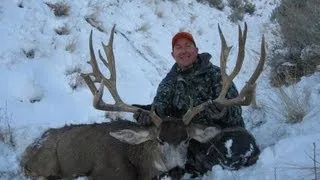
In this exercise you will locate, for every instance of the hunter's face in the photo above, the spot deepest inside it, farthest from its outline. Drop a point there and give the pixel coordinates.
(185, 53)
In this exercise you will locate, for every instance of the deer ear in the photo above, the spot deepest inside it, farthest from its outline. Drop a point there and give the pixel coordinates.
(130, 136)
(203, 134)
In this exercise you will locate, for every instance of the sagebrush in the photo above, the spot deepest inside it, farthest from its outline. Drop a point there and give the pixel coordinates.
(300, 33)
(59, 8)
(295, 105)
(299, 22)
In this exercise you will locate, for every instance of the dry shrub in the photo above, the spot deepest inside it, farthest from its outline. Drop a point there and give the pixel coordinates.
(289, 70)
(6, 132)
(239, 9)
(295, 106)
(234, 4)
(286, 74)
(71, 46)
(94, 22)
(309, 170)
(300, 34)
(218, 4)
(74, 76)
(29, 53)
(59, 8)
(63, 30)
(249, 8)
(237, 15)
(298, 21)
(144, 27)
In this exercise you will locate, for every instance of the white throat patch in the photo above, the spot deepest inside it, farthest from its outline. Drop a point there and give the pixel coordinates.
(174, 156)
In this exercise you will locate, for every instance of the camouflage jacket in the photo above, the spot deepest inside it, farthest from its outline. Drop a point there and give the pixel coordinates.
(201, 83)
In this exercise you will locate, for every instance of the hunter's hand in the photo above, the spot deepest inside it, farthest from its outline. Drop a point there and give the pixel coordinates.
(216, 111)
(142, 118)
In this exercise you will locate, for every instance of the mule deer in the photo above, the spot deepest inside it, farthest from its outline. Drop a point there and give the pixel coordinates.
(122, 149)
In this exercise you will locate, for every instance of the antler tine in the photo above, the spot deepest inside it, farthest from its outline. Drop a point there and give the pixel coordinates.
(98, 103)
(96, 73)
(241, 52)
(227, 80)
(110, 82)
(225, 50)
(95, 69)
(246, 94)
(155, 118)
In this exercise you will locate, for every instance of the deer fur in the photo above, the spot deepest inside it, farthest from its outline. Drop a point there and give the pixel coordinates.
(114, 150)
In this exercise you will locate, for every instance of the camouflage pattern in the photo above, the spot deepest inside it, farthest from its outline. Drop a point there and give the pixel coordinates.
(201, 82)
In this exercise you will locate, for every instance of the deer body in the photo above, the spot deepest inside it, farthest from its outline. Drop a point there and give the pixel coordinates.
(114, 150)
(90, 150)
(95, 153)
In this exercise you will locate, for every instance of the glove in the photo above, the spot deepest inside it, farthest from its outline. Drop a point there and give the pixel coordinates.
(141, 116)
(216, 111)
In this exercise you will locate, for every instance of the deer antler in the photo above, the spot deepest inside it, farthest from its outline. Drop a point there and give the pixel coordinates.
(246, 94)
(110, 82)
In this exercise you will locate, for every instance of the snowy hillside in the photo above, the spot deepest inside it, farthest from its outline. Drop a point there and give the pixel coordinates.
(42, 55)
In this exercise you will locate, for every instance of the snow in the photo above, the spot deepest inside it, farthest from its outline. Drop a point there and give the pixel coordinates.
(36, 92)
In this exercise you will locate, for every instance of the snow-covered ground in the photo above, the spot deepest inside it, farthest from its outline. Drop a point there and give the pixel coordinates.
(142, 48)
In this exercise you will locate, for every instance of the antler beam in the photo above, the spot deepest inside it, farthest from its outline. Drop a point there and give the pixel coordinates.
(110, 82)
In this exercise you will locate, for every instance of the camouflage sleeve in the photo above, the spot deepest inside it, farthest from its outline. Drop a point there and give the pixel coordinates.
(161, 101)
(233, 116)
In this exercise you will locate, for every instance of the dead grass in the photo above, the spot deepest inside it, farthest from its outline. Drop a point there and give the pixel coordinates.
(63, 30)
(94, 22)
(59, 8)
(71, 46)
(295, 105)
(289, 103)
(6, 132)
(74, 76)
(144, 27)
(309, 171)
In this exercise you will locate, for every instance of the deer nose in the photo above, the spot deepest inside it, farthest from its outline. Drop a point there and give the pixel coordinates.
(176, 173)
